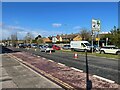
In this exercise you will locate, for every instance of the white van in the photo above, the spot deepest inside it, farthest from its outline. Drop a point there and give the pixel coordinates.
(80, 46)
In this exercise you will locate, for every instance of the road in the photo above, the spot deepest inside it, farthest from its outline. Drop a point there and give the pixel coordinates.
(107, 68)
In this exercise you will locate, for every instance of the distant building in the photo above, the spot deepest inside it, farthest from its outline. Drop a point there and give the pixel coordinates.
(66, 38)
(47, 40)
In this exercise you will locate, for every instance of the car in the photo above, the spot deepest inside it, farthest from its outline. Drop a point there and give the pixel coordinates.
(40, 46)
(96, 48)
(66, 47)
(34, 45)
(28, 45)
(110, 49)
(21, 45)
(55, 47)
(47, 48)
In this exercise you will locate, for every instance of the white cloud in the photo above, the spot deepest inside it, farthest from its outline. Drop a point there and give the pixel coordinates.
(56, 24)
(8, 30)
(5, 34)
(77, 28)
(1, 24)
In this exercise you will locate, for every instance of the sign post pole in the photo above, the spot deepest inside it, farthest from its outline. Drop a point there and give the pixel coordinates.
(98, 39)
(95, 27)
(92, 41)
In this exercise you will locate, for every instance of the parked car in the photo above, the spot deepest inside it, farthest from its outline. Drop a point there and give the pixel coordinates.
(81, 46)
(34, 45)
(28, 45)
(47, 48)
(66, 47)
(96, 48)
(110, 49)
(21, 45)
(40, 46)
(55, 47)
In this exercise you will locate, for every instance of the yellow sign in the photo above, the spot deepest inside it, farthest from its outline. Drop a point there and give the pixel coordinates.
(97, 39)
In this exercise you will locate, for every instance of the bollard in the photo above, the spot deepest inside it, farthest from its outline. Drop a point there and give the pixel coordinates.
(75, 55)
(50, 52)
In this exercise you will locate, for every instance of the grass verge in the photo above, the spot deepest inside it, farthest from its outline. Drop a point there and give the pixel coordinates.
(109, 56)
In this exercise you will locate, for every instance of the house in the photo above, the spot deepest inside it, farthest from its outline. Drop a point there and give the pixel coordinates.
(77, 38)
(47, 40)
(66, 38)
(55, 39)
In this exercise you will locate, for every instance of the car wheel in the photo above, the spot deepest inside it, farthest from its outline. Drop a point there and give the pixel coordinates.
(72, 49)
(102, 52)
(118, 53)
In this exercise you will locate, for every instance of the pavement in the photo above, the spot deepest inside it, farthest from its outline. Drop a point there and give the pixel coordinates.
(16, 75)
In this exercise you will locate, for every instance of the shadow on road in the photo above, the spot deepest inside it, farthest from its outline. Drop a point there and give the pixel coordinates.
(6, 50)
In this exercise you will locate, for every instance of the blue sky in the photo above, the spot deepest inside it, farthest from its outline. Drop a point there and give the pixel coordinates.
(52, 18)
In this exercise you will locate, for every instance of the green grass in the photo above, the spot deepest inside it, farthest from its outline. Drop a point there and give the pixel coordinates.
(93, 54)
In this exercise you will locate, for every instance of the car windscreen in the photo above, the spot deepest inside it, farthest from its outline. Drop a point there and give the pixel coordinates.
(50, 46)
(87, 44)
(66, 45)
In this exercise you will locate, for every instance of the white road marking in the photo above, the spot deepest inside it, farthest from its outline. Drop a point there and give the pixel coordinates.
(110, 81)
(38, 56)
(43, 58)
(76, 69)
(61, 64)
(51, 60)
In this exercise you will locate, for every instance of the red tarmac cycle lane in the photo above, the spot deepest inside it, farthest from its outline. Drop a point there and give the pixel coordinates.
(65, 74)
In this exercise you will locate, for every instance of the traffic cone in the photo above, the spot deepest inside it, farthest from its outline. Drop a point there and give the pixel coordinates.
(50, 52)
(75, 55)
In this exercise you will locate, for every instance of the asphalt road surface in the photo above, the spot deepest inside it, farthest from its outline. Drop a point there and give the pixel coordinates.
(107, 68)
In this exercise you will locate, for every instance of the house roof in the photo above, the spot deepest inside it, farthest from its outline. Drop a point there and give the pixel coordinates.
(70, 36)
(46, 40)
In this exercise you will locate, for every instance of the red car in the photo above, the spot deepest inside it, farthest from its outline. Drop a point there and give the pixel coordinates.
(55, 47)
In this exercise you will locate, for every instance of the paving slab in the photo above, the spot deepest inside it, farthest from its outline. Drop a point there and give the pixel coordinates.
(16, 75)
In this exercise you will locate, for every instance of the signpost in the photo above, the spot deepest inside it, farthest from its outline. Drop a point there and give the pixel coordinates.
(95, 28)
(88, 82)
(106, 41)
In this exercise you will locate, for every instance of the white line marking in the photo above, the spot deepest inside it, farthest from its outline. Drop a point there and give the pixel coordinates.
(107, 80)
(43, 58)
(76, 69)
(51, 60)
(61, 64)
(38, 56)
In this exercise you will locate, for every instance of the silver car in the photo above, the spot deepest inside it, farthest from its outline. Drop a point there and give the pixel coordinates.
(47, 48)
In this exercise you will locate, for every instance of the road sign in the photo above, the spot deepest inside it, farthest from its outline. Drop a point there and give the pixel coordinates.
(95, 25)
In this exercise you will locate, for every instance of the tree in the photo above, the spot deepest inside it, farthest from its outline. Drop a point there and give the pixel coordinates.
(115, 36)
(28, 38)
(85, 34)
(40, 40)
